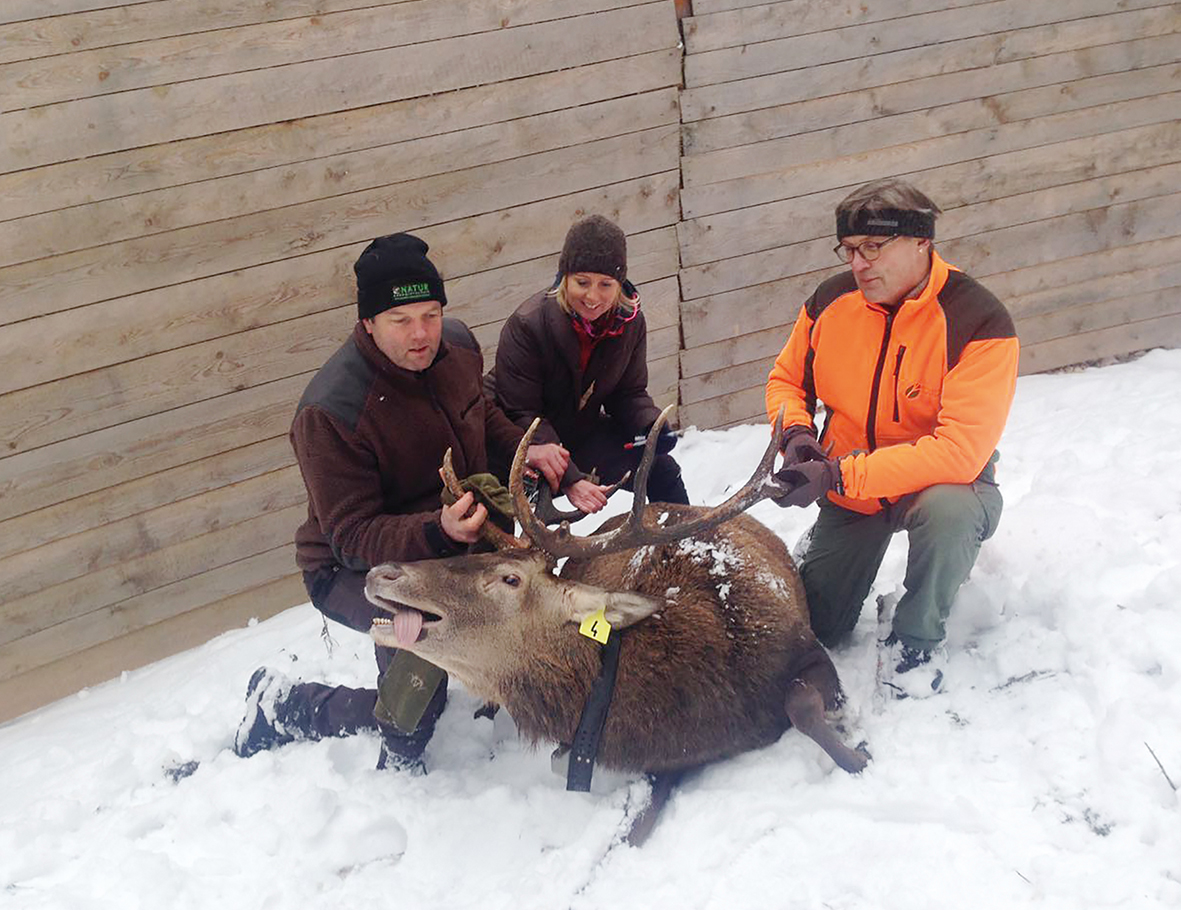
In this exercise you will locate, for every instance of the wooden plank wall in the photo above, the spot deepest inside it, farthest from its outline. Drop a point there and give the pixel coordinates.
(183, 190)
(1048, 133)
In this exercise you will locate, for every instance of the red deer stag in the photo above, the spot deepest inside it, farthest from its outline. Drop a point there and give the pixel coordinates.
(715, 652)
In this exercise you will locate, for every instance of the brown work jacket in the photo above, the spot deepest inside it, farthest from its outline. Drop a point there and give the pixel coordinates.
(369, 437)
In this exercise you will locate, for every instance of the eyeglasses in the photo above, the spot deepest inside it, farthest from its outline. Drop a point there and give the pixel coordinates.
(869, 249)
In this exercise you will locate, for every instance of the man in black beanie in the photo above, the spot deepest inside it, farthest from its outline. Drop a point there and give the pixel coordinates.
(369, 435)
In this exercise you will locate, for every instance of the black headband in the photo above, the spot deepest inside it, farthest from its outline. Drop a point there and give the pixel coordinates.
(886, 223)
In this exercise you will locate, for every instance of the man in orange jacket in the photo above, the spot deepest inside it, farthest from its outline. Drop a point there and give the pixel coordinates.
(916, 365)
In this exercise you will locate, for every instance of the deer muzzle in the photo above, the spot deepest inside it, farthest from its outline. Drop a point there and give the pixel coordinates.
(406, 624)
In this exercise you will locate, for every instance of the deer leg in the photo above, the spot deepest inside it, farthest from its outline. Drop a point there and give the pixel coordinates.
(805, 709)
(662, 787)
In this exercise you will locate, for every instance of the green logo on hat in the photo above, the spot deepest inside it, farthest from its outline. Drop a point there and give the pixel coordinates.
(406, 293)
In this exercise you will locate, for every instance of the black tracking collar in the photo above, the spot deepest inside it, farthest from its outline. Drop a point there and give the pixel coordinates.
(594, 714)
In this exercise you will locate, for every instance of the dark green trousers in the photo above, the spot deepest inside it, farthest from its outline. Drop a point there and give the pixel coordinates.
(945, 524)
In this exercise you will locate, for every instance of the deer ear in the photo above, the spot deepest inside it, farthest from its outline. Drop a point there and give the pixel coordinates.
(627, 607)
(621, 608)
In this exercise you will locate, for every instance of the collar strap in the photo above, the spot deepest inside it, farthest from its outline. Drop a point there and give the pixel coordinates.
(886, 223)
(585, 747)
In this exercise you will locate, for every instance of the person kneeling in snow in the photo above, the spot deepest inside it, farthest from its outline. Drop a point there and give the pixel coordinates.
(575, 356)
(369, 434)
(916, 364)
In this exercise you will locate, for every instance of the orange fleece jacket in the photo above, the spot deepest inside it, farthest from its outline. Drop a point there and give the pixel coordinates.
(916, 394)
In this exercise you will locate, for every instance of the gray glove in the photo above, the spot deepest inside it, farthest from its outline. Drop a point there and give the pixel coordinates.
(800, 444)
(807, 481)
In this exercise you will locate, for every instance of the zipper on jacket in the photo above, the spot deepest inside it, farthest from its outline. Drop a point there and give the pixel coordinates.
(897, 370)
(871, 422)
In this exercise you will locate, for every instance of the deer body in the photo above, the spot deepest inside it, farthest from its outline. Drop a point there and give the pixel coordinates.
(717, 654)
(704, 675)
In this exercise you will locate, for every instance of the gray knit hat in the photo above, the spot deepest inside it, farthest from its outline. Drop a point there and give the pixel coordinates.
(595, 244)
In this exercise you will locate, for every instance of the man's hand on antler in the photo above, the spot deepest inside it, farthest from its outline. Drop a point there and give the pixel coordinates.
(807, 481)
(458, 525)
(551, 460)
(800, 444)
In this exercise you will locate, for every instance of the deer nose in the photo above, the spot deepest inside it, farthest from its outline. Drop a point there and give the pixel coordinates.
(378, 580)
(386, 572)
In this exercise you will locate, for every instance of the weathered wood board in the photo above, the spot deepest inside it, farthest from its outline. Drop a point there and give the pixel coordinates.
(174, 267)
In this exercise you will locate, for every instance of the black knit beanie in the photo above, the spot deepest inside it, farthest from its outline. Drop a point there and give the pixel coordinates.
(394, 270)
(597, 245)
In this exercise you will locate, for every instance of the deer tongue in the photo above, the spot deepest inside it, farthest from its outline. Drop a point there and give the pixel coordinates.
(407, 626)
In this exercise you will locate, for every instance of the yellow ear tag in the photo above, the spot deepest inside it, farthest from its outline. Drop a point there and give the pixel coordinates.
(596, 626)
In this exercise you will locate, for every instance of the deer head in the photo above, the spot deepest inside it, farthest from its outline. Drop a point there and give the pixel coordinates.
(470, 614)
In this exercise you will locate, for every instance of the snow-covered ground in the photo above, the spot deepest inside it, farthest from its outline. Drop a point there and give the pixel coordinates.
(1030, 782)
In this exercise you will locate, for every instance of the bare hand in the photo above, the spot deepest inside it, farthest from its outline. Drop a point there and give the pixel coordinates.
(551, 459)
(586, 496)
(459, 526)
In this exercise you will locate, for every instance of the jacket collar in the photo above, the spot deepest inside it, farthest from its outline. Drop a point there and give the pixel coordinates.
(560, 326)
(935, 282)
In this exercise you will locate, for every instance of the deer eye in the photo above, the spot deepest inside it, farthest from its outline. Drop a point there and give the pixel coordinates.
(511, 580)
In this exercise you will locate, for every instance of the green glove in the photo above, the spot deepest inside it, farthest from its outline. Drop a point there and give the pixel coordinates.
(495, 496)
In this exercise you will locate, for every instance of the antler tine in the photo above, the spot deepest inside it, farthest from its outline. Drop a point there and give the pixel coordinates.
(645, 467)
(636, 533)
(531, 526)
(500, 539)
(758, 488)
(548, 513)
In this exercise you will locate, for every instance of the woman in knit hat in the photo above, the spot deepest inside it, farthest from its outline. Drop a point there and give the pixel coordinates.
(575, 355)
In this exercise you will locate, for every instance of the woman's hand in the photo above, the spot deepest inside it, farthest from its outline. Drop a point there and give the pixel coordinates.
(551, 460)
(586, 496)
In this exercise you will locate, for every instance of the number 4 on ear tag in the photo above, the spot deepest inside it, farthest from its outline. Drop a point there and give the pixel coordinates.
(596, 626)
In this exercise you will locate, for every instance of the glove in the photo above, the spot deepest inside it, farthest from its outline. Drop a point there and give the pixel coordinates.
(666, 441)
(496, 498)
(800, 444)
(806, 482)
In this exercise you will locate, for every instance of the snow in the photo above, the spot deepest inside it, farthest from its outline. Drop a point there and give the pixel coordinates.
(1029, 783)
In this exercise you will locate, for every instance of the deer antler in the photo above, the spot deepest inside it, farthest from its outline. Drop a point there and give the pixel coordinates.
(500, 539)
(550, 514)
(636, 532)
